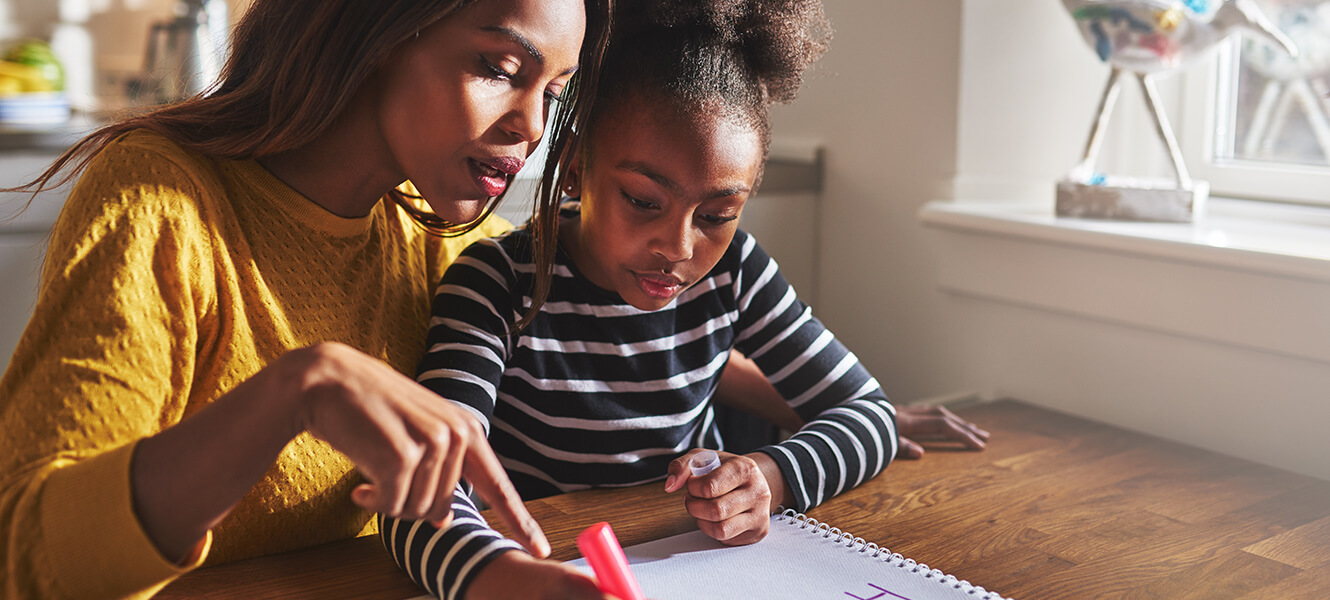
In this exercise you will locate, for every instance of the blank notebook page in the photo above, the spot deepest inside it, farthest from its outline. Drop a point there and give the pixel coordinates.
(800, 559)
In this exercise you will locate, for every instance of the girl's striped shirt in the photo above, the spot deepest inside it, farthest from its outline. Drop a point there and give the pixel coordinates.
(597, 393)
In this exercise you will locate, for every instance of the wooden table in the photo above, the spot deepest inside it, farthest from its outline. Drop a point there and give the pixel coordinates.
(1056, 507)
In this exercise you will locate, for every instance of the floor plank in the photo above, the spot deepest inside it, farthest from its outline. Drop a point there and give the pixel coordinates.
(1304, 547)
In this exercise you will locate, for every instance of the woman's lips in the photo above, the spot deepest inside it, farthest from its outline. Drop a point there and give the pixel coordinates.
(489, 179)
(659, 286)
(507, 164)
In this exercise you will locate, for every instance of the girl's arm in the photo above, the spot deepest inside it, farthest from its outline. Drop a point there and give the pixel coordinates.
(846, 428)
(468, 559)
(850, 432)
(468, 346)
(745, 387)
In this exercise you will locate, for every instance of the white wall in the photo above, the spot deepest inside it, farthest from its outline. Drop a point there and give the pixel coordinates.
(884, 103)
(994, 99)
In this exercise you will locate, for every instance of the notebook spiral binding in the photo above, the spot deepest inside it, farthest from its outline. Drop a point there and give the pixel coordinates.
(874, 551)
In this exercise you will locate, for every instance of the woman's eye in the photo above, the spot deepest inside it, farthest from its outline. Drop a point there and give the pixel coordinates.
(497, 71)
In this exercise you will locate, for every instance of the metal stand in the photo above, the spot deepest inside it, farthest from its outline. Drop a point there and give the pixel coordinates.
(1084, 195)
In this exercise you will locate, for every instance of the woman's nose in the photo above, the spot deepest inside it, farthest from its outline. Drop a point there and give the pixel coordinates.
(526, 120)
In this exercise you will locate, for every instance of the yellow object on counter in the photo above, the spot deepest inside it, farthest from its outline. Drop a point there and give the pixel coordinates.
(18, 78)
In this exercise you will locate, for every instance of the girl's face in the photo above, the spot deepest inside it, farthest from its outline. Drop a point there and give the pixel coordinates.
(661, 196)
(462, 106)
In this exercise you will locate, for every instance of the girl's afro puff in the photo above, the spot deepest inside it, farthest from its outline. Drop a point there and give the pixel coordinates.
(778, 39)
(731, 58)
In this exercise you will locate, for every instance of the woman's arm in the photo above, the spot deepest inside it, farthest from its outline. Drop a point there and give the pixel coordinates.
(411, 446)
(110, 361)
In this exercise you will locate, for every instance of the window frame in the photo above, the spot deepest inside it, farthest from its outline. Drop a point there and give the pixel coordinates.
(1237, 178)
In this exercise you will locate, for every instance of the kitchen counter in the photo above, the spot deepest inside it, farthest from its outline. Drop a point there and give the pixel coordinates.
(45, 140)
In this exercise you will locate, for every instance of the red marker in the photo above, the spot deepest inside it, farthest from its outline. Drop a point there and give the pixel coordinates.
(605, 555)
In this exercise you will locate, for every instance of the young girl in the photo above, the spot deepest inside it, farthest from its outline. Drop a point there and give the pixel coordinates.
(653, 287)
(611, 383)
(237, 283)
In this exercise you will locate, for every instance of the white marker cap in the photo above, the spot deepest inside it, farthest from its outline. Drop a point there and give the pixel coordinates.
(703, 462)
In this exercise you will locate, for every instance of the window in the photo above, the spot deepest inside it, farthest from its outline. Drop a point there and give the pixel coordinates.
(1266, 132)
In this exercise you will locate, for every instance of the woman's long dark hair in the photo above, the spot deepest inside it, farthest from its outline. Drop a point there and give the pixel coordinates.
(294, 67)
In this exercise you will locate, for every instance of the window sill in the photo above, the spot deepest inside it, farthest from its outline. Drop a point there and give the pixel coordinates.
(1235, 234)
(1247, 274)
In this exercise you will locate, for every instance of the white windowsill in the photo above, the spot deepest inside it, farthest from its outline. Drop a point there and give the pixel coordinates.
(1247, 274)
(1288, 241)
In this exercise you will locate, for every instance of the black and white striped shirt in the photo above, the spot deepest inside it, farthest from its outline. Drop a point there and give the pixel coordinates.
(598, 393)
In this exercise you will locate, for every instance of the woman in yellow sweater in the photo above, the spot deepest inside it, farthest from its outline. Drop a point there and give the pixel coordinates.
(237, 282)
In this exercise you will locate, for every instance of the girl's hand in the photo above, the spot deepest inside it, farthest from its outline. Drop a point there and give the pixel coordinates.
(732, 503)
(411, 445)
(514, 575)
(935, 423)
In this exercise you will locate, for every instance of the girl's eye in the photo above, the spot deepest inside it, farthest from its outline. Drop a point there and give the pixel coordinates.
(640, 204)
(717, 219)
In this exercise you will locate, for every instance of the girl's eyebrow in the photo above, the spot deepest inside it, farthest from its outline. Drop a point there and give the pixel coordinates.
(521, 40)
(646, 171)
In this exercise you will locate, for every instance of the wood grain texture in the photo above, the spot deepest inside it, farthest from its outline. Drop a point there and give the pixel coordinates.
(1056, 507)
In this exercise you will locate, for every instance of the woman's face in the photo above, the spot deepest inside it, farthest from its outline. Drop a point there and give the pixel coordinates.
(463, 105)
(661, 196)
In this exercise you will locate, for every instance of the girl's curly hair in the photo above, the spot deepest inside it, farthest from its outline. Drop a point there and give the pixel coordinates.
(730, 57)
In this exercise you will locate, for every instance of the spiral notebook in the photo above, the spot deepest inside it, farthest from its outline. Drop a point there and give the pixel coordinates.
(800, 558)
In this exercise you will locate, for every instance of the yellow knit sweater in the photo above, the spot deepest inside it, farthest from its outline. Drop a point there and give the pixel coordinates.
(171, 278)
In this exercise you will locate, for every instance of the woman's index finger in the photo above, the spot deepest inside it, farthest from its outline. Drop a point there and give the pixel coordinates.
(486, 475)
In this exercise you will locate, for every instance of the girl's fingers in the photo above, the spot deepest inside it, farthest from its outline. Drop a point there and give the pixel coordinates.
(954, 418)
(678, 473)
(745, 528)
(965, 436)
(958, 429)
(938, 422)
(675, 476)
(731, 475)
(910, 449)
(729, 506)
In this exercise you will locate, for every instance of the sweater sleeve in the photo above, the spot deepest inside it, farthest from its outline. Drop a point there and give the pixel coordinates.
(106, 360)
(467, 351)
(850, 431)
